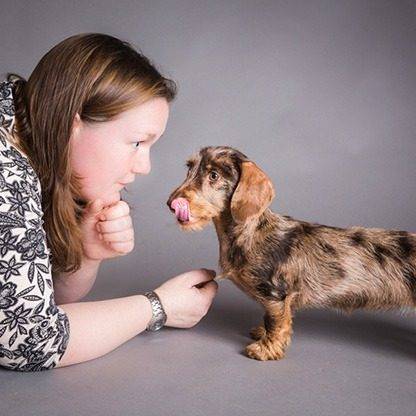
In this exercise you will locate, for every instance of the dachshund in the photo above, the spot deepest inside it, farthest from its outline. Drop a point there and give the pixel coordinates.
(283, 263)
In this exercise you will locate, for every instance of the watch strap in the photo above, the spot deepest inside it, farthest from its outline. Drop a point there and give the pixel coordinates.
(158, 313)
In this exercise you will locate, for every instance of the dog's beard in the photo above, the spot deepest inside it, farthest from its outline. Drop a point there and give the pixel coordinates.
(195, 225)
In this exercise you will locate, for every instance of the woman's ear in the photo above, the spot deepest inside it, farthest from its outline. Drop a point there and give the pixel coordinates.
(76, 125)
(253, 194)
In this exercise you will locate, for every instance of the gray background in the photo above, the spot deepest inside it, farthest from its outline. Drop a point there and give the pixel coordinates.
(321, 95)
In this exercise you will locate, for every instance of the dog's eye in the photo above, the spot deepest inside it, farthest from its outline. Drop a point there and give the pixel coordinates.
(213, 176)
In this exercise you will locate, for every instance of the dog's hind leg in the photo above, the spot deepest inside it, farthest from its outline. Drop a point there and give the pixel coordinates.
(275, 336)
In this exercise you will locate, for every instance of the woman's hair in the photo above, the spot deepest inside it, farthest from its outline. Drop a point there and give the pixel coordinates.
(98, 77)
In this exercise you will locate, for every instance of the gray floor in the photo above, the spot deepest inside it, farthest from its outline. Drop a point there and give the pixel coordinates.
(363, 364)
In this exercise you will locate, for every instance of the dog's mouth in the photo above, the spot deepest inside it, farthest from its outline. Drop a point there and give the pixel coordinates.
(182, 210)
(187, 221)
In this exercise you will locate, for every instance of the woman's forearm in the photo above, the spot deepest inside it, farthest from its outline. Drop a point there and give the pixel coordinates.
(71, 287)
(97, 328)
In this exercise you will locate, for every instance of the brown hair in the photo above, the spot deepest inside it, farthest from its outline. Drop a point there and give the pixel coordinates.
(98, 77)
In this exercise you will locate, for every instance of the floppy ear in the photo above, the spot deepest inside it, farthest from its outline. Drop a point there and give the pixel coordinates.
(253, 194)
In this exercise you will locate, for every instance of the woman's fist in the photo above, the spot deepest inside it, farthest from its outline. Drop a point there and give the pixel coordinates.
(107, 231)
(187, 298)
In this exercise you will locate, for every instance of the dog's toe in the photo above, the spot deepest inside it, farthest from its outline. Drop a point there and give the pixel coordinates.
(264, 351)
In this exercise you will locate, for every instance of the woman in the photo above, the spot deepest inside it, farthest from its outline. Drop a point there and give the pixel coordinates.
(71, 137)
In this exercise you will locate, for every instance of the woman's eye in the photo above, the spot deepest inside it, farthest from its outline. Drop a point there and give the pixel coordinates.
(213, 176)
(136, 144)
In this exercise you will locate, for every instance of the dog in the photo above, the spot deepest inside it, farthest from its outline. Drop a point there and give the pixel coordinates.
(283, 263)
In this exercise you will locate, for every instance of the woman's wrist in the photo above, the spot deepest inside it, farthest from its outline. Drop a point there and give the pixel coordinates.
(147, 310)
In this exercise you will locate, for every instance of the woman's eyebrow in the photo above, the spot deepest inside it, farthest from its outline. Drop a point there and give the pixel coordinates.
(152, 136)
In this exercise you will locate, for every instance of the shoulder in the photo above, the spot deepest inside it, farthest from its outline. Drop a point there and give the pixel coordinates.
(16, 173)
(14, 165)
(11, 157)
(20, 190)
(7, 109)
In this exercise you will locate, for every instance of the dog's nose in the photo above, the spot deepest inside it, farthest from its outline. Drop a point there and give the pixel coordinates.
(169, 203)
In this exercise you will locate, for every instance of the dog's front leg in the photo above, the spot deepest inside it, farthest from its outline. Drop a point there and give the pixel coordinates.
(258, 332)
(275, 336)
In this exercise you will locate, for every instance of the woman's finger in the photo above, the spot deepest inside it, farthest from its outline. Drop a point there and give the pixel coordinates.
(111, 226)
(122, 236)
(209, 288)
(200, 278)
(123, 248)
(120, 209)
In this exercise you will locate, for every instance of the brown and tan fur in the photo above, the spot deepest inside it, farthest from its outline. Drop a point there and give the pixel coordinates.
(287, 264)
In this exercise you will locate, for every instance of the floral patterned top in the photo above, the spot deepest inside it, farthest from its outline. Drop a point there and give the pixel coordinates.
(34, 331)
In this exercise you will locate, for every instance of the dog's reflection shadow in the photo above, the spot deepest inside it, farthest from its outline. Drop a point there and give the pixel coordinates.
(382, 331)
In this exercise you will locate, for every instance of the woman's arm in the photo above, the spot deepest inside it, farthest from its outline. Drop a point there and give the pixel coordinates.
(71, 287)
(98, 327)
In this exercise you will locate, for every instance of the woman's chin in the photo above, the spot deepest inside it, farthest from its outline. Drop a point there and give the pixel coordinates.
(111, 199)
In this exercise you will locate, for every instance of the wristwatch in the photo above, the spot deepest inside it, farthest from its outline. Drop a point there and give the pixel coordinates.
(159, 316)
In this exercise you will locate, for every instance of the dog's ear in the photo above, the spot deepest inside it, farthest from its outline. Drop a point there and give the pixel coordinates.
(253, 194)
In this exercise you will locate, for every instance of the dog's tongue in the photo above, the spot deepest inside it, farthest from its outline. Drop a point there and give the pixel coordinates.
(181, 207)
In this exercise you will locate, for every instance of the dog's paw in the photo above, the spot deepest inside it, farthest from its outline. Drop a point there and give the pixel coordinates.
(264, 350)
(257, 332)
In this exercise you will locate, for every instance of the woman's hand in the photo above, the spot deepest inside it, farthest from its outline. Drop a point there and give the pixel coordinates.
(183, 302)
(107, 232)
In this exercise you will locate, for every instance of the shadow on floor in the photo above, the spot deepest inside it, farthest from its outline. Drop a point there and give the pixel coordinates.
(383, 331)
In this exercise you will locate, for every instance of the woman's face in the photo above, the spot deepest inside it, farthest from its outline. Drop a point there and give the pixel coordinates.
(108, 155)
